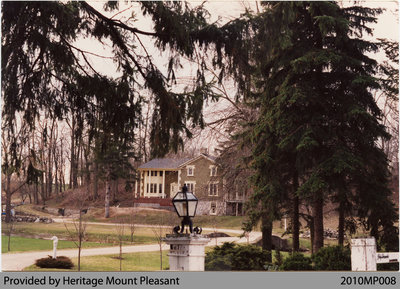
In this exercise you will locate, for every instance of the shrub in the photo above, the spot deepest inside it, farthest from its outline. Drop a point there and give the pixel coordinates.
(296, 262)
(220, 258)
(235, 257)
(278, 258)
(249, 257)
(60, 262)
(388, 267)
(335, 258)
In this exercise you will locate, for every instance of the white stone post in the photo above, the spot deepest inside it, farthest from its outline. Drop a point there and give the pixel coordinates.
(186, 252)
(55, 243)
(363, 254)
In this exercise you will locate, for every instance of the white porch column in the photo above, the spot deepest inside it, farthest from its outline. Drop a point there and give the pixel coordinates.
(146, 181)
(149, 182)
(163, 184)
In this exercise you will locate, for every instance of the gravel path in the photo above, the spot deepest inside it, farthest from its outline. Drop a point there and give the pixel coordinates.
(18, 261)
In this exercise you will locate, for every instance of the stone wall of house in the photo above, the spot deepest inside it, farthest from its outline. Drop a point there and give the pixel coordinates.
(202, 179)
(204, 208)
(170, 177)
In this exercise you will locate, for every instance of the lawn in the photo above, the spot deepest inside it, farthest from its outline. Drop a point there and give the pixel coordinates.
(141, 261)
(21, 244)
(156, 217)
(94, 233)
(146, 261)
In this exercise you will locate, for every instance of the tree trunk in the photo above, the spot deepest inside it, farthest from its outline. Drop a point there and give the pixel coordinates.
(295, 217)
(318, 222)
(43, 190)
(120, 255)
(79, 255)
(36, 195)
(341, 224)
(72, 166)
(107, 199)
(296, 225)
(266, 231)
(96, 181)
(10, 227)
(8, 198)
(312, 233)
(161, 260)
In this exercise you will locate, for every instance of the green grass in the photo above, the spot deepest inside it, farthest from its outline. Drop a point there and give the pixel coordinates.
(156, 217)
(21, 244)
(142, 261)
(94, 233)
(147, 261)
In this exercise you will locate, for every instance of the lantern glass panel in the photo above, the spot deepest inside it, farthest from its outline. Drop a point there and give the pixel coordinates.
(179, 208)
(192, 208)
(192, 202)
(185, 204)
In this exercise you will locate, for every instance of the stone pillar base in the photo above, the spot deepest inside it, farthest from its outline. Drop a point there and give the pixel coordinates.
(186, 251)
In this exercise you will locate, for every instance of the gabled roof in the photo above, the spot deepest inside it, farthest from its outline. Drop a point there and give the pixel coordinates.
(167, 164)
(173, 164)
(202, 155)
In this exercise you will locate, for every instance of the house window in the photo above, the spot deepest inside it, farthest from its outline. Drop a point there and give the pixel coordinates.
(191, 186)
(160, 188)
(213, 171)
(190, 171)
(147, 190)
(154, 173)
(213, 189)
(213, 208)
(161, 174)
(153, 188)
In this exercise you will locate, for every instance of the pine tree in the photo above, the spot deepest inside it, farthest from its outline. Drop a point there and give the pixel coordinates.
(319, 123)
(43, 69)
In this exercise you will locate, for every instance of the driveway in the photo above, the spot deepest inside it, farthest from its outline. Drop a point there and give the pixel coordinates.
(18, 261)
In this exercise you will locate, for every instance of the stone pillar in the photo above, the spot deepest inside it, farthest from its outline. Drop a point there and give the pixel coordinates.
(186, 252)
(363, 254)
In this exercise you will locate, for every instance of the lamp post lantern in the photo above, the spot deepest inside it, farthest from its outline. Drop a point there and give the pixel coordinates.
(185, 204)
(186, 250)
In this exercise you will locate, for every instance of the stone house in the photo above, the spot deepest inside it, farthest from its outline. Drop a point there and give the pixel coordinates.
(161, 179)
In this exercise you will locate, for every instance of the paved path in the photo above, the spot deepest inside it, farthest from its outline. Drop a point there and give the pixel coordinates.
(18, 261)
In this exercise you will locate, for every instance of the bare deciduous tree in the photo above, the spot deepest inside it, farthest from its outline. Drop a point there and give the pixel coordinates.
(120, 231)
(79, 198)
(164, 226)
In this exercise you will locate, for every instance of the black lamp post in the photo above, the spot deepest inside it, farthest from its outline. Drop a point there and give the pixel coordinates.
(185, 204)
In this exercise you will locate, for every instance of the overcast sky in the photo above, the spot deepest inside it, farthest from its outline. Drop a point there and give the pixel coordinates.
(223, 11)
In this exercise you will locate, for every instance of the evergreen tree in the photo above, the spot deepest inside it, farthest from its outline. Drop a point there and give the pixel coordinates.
(319, 123)
(43, 69)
